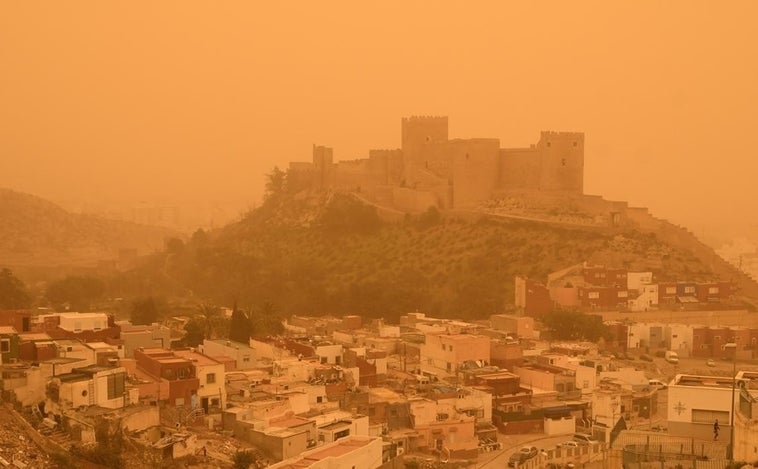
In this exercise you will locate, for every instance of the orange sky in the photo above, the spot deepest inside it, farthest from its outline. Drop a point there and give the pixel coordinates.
(173, 102)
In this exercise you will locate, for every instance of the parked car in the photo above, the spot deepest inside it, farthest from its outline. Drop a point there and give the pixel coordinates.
(584, 439)
(656, 383)
(516, 458)
(646, 357)
(524, 454)
(711, 362)
(569, 444)
(529, 452)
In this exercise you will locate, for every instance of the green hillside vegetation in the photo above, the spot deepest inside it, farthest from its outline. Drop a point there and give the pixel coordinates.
(331, 254)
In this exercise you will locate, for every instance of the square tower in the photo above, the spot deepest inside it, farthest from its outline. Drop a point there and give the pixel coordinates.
(420, 130)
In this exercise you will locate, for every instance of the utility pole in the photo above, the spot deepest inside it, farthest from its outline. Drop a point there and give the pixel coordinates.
(732, 345)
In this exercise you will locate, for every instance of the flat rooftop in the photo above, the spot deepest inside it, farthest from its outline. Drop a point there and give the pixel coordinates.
(703, 381)
(33, 336)
(196, 358)
(82, 315)
(333, 450)
(230, 343)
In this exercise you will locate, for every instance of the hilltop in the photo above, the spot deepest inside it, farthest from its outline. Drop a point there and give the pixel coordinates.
(37, 232)
(331, 253)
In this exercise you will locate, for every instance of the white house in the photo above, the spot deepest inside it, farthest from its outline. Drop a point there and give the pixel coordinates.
(696, 402)
(77, 322)
(212, 377)
(243, 355)
(91, 385)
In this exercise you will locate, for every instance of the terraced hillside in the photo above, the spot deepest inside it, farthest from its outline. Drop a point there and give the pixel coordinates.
(332, 254)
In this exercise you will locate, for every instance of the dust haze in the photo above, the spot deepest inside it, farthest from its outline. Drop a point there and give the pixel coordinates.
(189, 104)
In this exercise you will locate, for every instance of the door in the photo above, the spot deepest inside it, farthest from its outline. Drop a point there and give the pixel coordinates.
(204, 404)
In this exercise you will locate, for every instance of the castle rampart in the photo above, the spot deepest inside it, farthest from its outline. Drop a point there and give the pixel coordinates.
(448, 173)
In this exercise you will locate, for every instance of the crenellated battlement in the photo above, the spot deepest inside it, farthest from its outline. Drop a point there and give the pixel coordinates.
(451, 173)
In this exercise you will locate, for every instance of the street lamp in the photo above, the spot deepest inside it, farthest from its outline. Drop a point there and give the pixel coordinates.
(732, 345)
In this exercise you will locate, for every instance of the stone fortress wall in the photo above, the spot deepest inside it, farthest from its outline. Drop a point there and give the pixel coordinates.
(432, 169)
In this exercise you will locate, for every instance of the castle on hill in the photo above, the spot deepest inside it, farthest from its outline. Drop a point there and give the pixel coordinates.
(430, 169)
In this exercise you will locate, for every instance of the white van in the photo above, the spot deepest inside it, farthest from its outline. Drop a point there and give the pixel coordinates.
(671, 357)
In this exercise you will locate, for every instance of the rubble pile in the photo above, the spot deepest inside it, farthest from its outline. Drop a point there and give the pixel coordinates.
(16, 447)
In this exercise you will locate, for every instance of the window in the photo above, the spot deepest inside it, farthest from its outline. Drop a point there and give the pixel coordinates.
(210, 378)
(246, 358)
(670, 290)
(709, 416)
(689, 289)
(443, 346)
(115, 385)
(593, 295)
(179, 401)
(5, 346)
(713, 290)
(586, 384)
(623, 294)
(214, 402)
(323, 360)
(319, 399)
(451, 348)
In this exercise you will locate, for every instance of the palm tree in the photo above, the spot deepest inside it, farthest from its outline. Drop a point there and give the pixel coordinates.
(266, 320)
(213, 319)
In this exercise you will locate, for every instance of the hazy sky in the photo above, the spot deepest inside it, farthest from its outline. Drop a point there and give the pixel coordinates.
(106, 102)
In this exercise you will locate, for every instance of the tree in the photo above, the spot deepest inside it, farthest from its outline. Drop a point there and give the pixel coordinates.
(199, 237)
(215, 324)
(77, 292)
(243, 459)
(346, 214)
(13, 292)
(240, 327)
(174, 246)
(429, 218)
(266, 320)
(566, 324)
(275, 183)
(145, 311)
(194, 332)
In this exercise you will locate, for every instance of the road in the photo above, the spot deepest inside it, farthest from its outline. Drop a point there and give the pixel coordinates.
(513, 443)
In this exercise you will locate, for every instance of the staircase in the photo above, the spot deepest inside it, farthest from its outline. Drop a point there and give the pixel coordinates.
(50, 429)
(199, 412)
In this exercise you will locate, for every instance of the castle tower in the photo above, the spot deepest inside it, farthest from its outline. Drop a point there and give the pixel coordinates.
(323, 164)
(561, 162)
(421, 138)
(420, 130)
